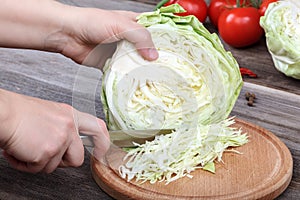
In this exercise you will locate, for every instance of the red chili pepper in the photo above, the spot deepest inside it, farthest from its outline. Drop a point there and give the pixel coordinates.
(247, 72)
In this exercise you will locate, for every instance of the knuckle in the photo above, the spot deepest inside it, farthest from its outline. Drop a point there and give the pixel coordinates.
(66, 106)
(144, 35)
(67, 117)
(50, 150)
(60, 140)
(65, 127)
(102, 124)
(78, 162)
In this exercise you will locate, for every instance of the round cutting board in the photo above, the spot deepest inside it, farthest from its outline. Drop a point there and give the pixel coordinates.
(262, 171)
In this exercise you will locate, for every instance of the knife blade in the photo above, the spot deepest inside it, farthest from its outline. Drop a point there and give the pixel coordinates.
(127, 138)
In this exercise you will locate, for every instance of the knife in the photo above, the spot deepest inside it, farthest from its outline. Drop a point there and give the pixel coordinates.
(127, 138)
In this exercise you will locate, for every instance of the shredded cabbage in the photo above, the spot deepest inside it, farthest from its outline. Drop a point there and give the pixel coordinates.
(176, 155)
(281, 23)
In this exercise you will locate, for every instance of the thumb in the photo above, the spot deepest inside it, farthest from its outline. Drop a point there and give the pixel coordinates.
(90, 125)
(142, 40)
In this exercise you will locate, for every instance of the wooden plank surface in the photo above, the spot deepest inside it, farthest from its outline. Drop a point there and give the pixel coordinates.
(136, 6)
(51, 76)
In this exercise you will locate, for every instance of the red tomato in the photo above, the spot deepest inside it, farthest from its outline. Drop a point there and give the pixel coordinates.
(216, 7)
(264, 5)
(239, 27)
(198, 8)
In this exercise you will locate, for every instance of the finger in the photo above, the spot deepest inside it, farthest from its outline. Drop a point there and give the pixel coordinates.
(74, 155)
(90, 125)
(24, 166)
(54, 162)
(149, 54)
(135, 33)
(141, 39)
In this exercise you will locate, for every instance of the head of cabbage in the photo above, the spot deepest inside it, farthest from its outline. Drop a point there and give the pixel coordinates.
(194, 80)
(281, 23)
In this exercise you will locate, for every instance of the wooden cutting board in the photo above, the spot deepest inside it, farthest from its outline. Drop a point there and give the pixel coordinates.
(263, 171)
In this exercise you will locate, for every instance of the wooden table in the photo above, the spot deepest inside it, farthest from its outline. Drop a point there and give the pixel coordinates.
(52, 76)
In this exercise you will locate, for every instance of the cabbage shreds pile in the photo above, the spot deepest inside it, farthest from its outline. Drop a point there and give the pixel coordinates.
(175, 155)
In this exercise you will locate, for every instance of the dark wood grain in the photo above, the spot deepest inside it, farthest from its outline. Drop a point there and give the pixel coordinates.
(52, 76)
(136, 6)
(74, 183)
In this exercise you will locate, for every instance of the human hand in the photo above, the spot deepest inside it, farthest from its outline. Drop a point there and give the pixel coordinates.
(86, 28)
(49, 25)
(39, 135)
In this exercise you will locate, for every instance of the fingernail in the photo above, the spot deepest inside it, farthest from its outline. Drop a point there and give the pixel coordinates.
(153, 54)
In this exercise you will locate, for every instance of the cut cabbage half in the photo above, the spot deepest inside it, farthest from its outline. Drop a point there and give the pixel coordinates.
(194, 80)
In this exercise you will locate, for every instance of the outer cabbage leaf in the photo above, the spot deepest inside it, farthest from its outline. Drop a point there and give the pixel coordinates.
(194, 80)
(281, 23)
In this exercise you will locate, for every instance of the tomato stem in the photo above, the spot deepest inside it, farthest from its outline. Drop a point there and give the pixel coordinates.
(256, 3)
(253, 3)
(238, 3)
(161, 3)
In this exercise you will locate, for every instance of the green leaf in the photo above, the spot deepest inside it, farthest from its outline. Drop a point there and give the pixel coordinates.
(210, 167)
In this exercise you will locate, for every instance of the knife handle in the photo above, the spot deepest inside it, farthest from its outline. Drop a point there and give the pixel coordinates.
(87, 140)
